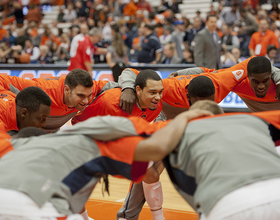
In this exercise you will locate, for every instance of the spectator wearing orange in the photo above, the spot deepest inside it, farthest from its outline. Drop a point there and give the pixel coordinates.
(33, 14)
(49, 36)
(130, 9)
(261, 39)
(3, 32)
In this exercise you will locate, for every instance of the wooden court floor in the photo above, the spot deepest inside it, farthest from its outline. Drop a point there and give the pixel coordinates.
(105, 207)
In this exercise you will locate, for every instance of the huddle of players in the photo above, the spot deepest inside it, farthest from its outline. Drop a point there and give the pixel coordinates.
(251, 80)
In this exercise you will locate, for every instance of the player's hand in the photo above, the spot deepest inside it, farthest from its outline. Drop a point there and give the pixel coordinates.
(171, 75)
(127, 100)
(278, 92)
(192, 114)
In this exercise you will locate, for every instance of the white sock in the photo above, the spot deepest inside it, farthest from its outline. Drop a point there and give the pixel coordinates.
(154, 198)
(85, 216)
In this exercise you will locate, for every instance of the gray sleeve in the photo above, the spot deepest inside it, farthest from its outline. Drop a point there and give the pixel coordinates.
(104, 128)
(275, 74)
(109, 85)
(190, 71)
(198, 50)
(127, 79)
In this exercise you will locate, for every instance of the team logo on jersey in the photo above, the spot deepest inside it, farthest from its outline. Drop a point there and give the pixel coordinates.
(88, 51)
(238, 74)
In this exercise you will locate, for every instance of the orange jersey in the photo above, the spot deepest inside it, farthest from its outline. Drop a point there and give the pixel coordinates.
(108, 104)
(8, 119)
(244, 90)
(53, 86)
(176, 89)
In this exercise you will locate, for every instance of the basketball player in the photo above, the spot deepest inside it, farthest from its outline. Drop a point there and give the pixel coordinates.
(30, 108)
(36, 178)
(69, 94)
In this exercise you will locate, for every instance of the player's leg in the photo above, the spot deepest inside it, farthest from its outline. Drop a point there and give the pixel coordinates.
(133, 203)
(85, 214)
(135, 199)
(153, 193)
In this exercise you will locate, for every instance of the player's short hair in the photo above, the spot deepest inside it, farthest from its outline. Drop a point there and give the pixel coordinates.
(210, 16)
(201, 86)
(29, 132)
(258, 65)
(144, 75)
(32, 98)
(207, 105)
(78, 77)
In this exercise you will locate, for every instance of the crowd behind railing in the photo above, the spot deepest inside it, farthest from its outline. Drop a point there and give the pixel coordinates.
(136, 32)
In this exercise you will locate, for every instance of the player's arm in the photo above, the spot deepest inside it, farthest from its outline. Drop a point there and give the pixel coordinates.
(191, 71)
(162, 142)
(17, 82)
(126, 82)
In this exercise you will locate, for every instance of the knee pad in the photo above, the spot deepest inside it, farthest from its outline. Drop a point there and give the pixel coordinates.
(153, 195)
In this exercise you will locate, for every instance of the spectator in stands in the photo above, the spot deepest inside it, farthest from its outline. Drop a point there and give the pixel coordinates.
(174, 6)
(69, 14)
(151, 48)
(54, 51)
(90, 23)
(4, 51)
(34, 14)
(130, 9)
(274, 8)
(166, 37)
(162, 7)
(31, 50)
(274, 28)
(177, 38)
(233, 57)
(208, 45)
(229, 41)
(18, 14)
(65, 41)
(168, 56)
(48, 37)
(21, 37)
(144, 5)
(188, 56)
(271, 53)
(45, 57)
(248, 21)
(134, 51)
(117, 53)
(54, 28)
(230, 16)
(60, 16)
(11, 39)
(3, 31)
(190, 33)
(243, 40)
(74, 31)
(81, 11)
(261, 39)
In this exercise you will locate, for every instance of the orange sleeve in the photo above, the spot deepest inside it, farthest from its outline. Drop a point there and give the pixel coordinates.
(19, 83)
(97, 87)
(272, 117)
(122, 151)
(143, 127)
